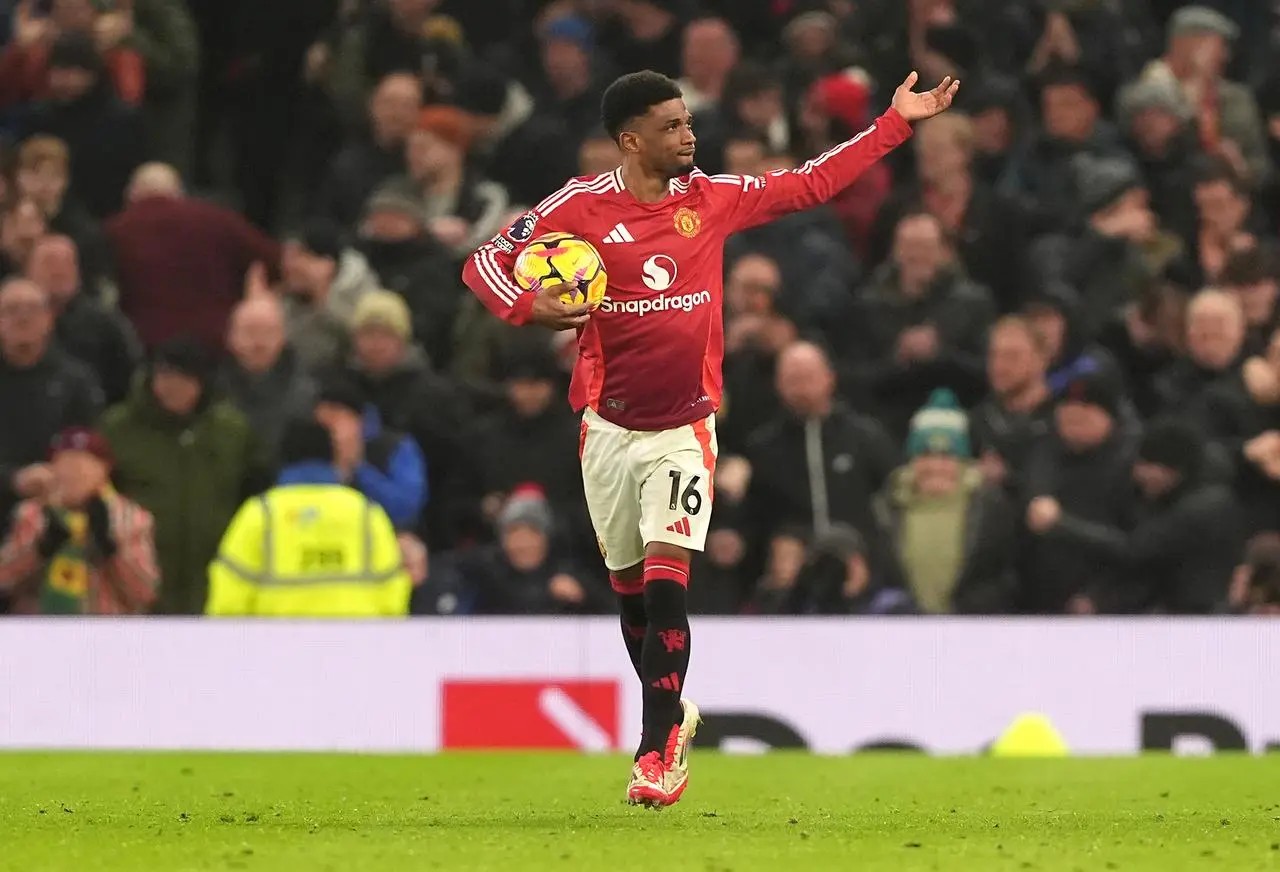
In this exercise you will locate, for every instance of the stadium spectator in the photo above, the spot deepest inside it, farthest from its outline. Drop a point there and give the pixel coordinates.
(26, 61)
(987, 229)
(182, 264)
(523, 573)
(163, 34)
(43, 390)
(43, 174)
(831, 577)
(817, 462)
(1146, 339)
(106, 137)
(97, 336)
(1157, 122)
(1084, 466)
(410, 261)
(810, 248)
(21, 225)
(1226, 113)
(309, 547)
(1255, 584)
(647, 34)
(462, 209)
(752, 105)
(411, 398)
(360, 167)
(570, 90)
(83, 549)
(1241, 416)
(1019, 410)
(920, 322)
(754, 335)
(1041, 176)
(952, 533)
(383, 464)
(1224, 210)
(1119, 252)
(1251, 276)
(597, 155)
(1215, 343)
(323, 282)
(263, 375)
(534, 423)
(1179, 553)
(189, 459)
(709, 53)
(1000, 115)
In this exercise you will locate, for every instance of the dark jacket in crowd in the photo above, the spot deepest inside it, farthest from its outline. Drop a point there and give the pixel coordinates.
(495, 587)
(1184, 386)
(1041, 176)
(413, 399)
(812, 253)
(107, 140)
(1011, 435)
(39, 402)
(1094, 486)
(1232, 417)
(181, 264)
(269, 400)
(1180, 552)
(958, 310)
(991, 242)
(192, 473)
(357, 170)
(807, 470)
(1108, 273)
(103, 341)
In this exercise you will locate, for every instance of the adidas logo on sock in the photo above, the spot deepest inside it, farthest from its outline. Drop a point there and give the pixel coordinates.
(619, 233)
(668, 682)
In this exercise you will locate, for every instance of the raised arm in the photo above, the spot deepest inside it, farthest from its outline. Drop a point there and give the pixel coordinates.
(758, 200)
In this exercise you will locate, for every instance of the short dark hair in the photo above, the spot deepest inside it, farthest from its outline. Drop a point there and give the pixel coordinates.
(1063, 75)
(1250, 266)
(632, 95)
(303, 441)
(1214, 169)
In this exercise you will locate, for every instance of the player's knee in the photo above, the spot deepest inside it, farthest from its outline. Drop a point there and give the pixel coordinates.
(667, 551)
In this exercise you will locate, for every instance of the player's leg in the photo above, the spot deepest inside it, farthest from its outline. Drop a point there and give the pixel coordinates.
(675, 515)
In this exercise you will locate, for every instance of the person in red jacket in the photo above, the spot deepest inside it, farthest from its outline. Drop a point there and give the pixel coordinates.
(181, 264)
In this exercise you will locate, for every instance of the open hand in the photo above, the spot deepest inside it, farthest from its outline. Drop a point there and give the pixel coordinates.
(917, 107)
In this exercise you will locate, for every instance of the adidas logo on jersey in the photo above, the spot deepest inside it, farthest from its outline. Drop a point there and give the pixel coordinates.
(619, 233)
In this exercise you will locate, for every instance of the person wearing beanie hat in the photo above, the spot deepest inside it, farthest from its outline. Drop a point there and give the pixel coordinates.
(1180, 555)
(383, 311)
(188, 457)
(84, 550)
(310, 546)
(524, 572)
(951, 533)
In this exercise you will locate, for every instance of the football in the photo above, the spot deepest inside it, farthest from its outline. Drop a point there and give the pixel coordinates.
(554, 259)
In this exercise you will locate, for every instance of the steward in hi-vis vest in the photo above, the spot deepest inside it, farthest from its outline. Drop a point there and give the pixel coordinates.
(310, 547)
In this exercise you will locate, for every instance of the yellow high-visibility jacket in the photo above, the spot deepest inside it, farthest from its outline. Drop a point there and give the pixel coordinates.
(309, 551)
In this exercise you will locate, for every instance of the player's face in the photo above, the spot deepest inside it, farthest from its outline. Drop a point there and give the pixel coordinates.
(666, 139)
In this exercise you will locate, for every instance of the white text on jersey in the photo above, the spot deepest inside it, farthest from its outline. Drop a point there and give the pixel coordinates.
(661, 303)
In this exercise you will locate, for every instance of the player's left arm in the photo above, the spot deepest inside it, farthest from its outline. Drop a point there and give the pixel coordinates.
(754, 201)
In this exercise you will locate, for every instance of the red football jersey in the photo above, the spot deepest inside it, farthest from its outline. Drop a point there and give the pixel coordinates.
(650, 357)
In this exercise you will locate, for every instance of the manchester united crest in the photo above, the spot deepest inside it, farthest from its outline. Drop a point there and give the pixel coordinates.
(687, 222)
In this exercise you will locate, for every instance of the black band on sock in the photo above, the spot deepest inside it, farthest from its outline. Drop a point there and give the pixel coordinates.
(635, 623)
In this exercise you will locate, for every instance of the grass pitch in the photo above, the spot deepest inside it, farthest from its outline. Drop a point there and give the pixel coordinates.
(170, 812)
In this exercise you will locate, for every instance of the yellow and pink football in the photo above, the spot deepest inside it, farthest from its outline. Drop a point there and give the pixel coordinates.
(554, 259)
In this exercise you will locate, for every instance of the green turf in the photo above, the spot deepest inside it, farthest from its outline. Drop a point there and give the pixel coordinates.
(110, 813)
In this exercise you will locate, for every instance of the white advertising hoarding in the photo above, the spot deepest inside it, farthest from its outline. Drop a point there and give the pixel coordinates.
(830, 685)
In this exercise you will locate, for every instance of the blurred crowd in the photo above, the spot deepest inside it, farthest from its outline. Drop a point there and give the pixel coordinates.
(1028, 364)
